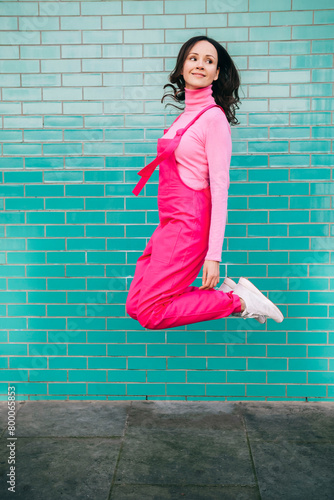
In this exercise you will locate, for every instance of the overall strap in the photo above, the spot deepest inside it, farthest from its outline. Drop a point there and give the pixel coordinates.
(199, 114)
(148, 170)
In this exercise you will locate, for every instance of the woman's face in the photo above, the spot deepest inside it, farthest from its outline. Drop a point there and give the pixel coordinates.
(200, 66)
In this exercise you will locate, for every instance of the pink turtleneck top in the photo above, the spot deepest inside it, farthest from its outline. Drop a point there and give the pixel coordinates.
(203, 158)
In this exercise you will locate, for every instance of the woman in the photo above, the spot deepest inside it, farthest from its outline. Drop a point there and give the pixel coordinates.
(192, 202)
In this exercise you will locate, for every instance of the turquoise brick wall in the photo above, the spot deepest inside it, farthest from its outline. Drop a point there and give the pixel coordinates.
(81, 84)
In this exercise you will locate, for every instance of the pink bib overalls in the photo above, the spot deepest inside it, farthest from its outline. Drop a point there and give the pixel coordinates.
(160, 296)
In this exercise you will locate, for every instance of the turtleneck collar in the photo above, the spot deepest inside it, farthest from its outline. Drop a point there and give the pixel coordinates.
(197, 99)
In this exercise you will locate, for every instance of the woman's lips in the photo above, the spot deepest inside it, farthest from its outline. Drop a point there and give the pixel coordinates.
(198, 74)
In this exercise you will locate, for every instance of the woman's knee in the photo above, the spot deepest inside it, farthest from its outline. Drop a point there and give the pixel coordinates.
(131, 307)
(149, 318)
(147, 322)
(143, 319)
(140, 312)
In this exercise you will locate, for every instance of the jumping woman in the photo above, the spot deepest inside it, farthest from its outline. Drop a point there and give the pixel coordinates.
(194, 159)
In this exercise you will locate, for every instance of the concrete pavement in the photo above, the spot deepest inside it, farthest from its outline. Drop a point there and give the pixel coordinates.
(145, 450)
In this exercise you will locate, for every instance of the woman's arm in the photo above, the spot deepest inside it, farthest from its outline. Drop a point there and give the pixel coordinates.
(218, 147)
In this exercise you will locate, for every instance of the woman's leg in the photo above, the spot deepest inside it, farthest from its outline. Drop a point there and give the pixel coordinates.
(166, 299)
(189, 307)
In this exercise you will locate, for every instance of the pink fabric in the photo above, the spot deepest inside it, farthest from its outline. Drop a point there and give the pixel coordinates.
(160, 295)
(203, 158)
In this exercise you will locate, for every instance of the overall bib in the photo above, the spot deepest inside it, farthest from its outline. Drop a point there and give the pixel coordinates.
(160, 296)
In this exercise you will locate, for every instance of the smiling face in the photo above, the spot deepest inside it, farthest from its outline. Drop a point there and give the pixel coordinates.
(200, 66)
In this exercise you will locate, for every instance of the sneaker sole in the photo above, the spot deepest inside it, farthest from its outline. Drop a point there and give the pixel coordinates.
(247, 284)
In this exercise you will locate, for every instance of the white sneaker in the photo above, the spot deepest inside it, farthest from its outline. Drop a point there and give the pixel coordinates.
(256, 302)
(229, 285)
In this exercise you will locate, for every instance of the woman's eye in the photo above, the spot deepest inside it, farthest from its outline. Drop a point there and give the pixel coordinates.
(193, 57)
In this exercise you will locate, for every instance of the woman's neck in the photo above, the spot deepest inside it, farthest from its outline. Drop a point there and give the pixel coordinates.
(196, 99)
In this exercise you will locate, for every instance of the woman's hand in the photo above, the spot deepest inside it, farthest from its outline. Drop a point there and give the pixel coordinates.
(210, 274)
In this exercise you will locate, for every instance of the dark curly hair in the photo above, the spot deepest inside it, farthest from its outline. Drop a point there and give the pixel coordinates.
(224, 90)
